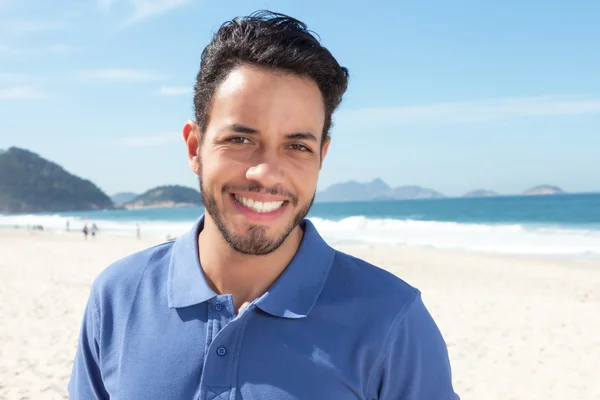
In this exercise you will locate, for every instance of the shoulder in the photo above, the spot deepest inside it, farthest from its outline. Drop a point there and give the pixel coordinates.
(371, 284)
(412, 358)
(368, 297)
(122, 278)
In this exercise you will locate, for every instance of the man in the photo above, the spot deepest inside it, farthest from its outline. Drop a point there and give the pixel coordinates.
(251, 303)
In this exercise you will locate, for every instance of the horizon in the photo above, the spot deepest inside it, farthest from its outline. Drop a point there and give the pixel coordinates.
(498, 194)
(501, 97)
(391, 187)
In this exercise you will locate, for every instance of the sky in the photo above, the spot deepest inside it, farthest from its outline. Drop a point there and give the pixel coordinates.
(452, 96)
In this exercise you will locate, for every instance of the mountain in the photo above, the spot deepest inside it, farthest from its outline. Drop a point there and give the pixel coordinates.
(408, 192)
(376, 189)
(481, 193)
(30, 183)
(543, 190)
(123, 197)
(352, 191)
(166, 196)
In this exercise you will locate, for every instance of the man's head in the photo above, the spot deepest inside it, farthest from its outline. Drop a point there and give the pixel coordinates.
(264, 98)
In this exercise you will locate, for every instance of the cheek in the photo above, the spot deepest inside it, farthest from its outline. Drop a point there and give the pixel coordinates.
(306, 180)
(220, 170)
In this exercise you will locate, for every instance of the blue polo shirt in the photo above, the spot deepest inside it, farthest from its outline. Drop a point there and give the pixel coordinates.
(331, 327)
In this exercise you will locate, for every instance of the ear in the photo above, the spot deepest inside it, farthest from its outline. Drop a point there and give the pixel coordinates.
(191, 136)
(324, 149)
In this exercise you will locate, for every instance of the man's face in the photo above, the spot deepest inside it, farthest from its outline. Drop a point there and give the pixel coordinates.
(260, 158)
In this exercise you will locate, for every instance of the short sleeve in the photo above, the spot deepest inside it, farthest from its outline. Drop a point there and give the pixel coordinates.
(415, 364)
(86, 377)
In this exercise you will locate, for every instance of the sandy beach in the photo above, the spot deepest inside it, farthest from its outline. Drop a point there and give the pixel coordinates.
(516, 328)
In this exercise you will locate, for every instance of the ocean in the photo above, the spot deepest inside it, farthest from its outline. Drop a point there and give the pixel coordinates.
(562, 225)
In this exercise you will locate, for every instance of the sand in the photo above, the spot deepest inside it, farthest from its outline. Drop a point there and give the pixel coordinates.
(516, 328)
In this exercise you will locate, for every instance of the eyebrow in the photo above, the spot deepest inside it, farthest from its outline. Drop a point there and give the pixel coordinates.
(240, 129)
(292, 136)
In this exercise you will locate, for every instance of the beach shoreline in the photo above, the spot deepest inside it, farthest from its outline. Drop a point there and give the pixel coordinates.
(517, 327)
(152, 238)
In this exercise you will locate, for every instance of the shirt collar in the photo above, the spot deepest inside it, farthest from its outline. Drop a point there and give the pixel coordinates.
(187, 285)
(296, 290)
(293, 294)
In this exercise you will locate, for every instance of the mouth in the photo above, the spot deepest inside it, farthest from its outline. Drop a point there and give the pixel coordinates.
(260, 207)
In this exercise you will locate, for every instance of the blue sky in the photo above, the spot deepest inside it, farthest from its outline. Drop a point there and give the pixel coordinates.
(448, 95)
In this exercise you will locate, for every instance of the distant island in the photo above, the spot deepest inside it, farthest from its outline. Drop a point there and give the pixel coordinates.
(30, 183)
(543, 190)
(481, 193)
(376, 189)
(535, 191)
(165, 196)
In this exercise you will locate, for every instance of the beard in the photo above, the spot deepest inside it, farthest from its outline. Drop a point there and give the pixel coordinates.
(255, 240)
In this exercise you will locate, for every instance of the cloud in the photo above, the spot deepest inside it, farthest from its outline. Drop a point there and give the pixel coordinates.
(119, 75)
(466, 112)
(17, 78)
(21, 93)
(146, 141)
(105, 4)
(13, 78)
(20, 27)
(175, 90)
(40, 51)
(145, 9)
(55, 49)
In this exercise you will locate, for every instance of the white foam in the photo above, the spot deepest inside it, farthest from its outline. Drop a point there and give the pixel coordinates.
(512, 239)
(57, 223)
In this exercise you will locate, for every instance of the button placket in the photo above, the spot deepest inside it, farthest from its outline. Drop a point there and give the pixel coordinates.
(220, 367)
(219, 313)
(218, 317)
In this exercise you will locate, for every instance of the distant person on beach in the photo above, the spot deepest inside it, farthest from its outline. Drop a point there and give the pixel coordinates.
(252, 303)
(94, 230)
(138, 234)
(85, 231)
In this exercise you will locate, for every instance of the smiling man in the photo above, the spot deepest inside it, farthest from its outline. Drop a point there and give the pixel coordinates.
(251, 303)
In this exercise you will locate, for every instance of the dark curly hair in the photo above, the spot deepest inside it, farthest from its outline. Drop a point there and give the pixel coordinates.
(274, 41)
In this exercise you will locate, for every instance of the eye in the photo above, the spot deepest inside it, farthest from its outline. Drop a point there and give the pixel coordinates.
(300, 147)
(238, 140)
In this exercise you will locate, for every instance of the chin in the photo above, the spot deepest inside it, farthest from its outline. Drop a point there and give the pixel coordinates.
(255, 239)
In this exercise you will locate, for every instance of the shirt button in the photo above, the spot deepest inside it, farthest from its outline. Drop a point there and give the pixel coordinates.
(218, 307)
(221, 351)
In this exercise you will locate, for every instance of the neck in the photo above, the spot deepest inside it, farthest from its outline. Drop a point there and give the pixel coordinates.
(245, 277)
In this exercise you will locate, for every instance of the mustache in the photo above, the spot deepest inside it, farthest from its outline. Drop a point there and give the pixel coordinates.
(276, 190)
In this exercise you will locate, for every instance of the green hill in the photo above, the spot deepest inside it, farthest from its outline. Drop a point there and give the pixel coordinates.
(30, 183)
(166, 196)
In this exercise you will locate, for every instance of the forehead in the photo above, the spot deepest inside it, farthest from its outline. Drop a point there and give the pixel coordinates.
(268, 100)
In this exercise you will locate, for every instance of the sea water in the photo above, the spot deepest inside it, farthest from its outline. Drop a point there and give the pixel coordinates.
(566, 225)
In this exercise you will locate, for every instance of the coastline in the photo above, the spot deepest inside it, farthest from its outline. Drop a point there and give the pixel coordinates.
(162, 204)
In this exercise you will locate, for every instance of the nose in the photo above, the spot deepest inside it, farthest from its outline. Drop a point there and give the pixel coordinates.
(266, 170)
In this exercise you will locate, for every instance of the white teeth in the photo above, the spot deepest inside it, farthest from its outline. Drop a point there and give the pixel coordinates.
(259, 206)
